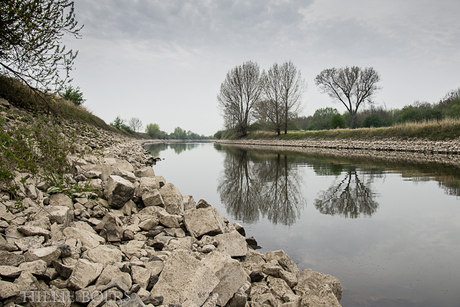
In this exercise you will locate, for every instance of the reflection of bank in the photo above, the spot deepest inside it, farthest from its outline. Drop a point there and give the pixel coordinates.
(255, 184)
(155, 149)
(350, 197)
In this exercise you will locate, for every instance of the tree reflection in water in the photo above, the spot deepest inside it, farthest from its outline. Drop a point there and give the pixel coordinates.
(267, 186)
(350, 197)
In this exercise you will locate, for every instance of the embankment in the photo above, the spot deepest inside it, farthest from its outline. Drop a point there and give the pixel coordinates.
(392, 149)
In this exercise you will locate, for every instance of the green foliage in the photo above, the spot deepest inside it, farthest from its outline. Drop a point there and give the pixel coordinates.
(73, 94)
(61, 184)
(153, 130)
(373, 120)
(337, 121)
(31, 48)
(321, 120)
(419, 112)
(35, 144)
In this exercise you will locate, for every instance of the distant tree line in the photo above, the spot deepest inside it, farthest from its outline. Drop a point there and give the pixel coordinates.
(153, 130)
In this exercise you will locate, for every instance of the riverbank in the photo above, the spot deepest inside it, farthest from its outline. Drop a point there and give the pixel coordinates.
(111, 232)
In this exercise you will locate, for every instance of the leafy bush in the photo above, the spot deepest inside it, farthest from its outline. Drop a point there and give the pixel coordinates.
(419, 112)
(337, 121)
(73, 94)
(373, 120)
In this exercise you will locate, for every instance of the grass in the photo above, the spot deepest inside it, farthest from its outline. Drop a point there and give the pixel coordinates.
(445, 129)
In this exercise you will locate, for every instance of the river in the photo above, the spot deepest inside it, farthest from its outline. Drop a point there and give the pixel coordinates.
(390, 232)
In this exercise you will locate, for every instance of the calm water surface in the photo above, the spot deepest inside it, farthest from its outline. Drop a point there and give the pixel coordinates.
(389, 232)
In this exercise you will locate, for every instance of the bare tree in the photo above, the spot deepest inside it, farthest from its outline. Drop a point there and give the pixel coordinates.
(293, 87)
(238, 95)
(135, 124)
(352, 86)
(283, 87)
(271, 108)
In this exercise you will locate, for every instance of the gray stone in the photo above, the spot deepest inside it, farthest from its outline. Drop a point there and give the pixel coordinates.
(37, 267)
(8, 289)
(110, 228)
(118, 191)
(111, 273)
(278, 287)
(84, 273)
(145, 172)
(149, 224)
(61, 200)
(104, 254)
(184, 277)
(318, 289)
(272, 268)
(10, 271)
(170, 220)
(174, 202)
(153, 198)
(34, 231)
(230, 273)
(47, 254)
(288, 277)
(202, 204)
(161, 181)
(203, 221)
(232, 243)
(59, 214)
(11, 259)
(189, 202)
(133, 248)
(64, 270)
(284, 260)
(27, 243)
(120, 164)
(88, 239)
(140, 276)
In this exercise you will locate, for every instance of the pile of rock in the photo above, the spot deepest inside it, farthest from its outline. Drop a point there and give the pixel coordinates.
(132, 239)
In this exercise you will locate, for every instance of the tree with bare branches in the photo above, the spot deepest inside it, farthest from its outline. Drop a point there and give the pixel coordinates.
(31, 48)
(292, 86)
(135, 124)
(352, 86)
(238, 94)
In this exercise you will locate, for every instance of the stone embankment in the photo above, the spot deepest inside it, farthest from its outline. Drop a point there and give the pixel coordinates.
(376, 144)
(132, 239)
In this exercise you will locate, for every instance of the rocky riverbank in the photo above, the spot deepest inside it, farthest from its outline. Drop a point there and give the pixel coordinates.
(130, 238)
(406, 151)
(375, 144)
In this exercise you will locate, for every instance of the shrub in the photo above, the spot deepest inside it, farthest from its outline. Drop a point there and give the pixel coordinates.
(73, 94)
(373, 120)
(337, 121)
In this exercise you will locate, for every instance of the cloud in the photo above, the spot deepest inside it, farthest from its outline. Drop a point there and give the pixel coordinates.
(192, 23)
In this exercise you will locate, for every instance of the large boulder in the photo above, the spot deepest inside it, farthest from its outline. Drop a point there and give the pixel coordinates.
(203, 221)
(232, 244)
(230, 273)
(318, 289)
(87, 238)
(184, 278)
(84, 273)
(149, 192)
(118, 191)
(173, 199)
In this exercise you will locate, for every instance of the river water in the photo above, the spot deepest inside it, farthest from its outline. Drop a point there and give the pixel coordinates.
(389, 232)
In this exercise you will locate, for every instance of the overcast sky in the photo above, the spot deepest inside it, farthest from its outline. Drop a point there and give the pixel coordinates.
(163, 61)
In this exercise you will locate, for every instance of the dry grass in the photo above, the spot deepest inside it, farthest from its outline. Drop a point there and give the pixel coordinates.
(445, 129)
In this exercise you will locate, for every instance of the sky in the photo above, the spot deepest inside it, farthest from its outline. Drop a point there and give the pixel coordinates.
(164, 61)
